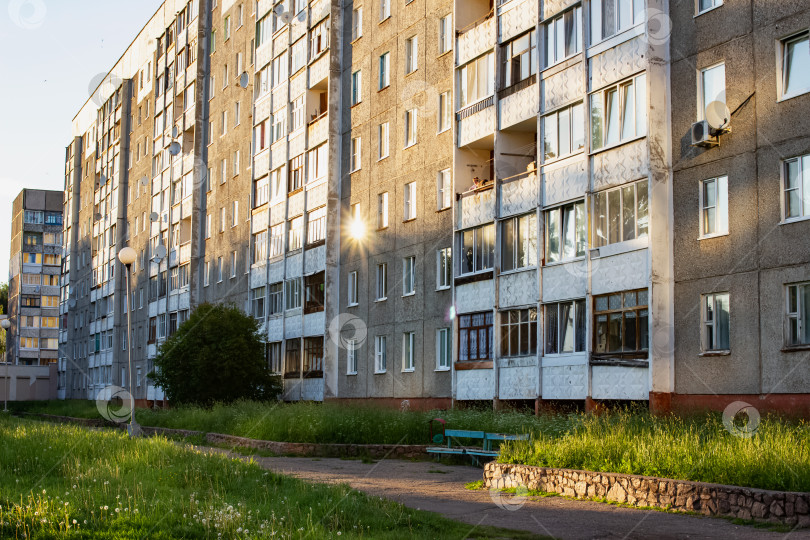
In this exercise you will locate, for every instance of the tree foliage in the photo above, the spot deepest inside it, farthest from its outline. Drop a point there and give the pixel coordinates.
(216, 356)
(3, 298)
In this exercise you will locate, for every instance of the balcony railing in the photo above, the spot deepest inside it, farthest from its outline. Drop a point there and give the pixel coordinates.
(517, 87)
(475, 107)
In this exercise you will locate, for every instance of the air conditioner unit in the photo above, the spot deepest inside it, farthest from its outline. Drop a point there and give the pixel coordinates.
(702, 135)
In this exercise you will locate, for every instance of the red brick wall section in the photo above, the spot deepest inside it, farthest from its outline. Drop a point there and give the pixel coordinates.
(797, 405)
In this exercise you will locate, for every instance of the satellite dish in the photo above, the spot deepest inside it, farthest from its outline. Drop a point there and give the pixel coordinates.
(160, 252)
(286, 17)
(175, 148)
(72, 303)
(97, 217)
(154, 216)
(301, 17)
(144, 181)
(279, 9)
(244, 79)
(103, 179)
(717, 115)
(174, 132)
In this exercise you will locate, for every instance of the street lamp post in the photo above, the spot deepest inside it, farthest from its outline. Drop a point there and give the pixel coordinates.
(6, 324)
(127, 256)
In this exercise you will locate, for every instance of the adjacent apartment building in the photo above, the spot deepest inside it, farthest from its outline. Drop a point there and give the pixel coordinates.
(425, 203)
(741, 204)
(34, 275)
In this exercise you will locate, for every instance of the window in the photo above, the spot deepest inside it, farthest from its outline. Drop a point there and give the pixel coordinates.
(233, 264)
(619, 113)
(274, 357)
(313, 356)
(298, 55)
(408, 276)
(797, 187)
(207, 276)
(382, 134)
(563, 132)
(297, 114)
(477, 80)
(296, 236)
(519, 332)
(477, 249)
(475, 336)
(296, 173)
(716, 322)
(445, 112)
(314, 290)
(410, 127)
(382, 281)
(408, 351)
(714, 207)
(519, 242)
(565, 327)
(385, 71)
(261, 192)
(446, 32)
(257, 301)
(355, 163)
(564, 36)
(380, 354)
(444, 349)
(609, 17)
(357, 23)
(382, 210)
(444, 268)
(279, 126)
(706, 5)
(234, 213)
(319, 39)
(316, 226)
(227, 27)
(620, 214)
(292, 357)
(519, 59)
(356, 87)
(259, 247)
(385, 9)
(275, 299)
(318, 159)
(621, 322)
(222, 220)
(351, 357)
(219, 269)
(411, 53)
(264, 30)
(798, 314)
(712, 87)
(292, 294)
(409, 201)
(795, 65)
(237, 113)
(276, 240)
(352, 295)
(565, 229)
(444, 193)
(50, 301)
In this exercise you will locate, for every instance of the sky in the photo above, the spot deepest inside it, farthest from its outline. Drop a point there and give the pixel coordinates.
(51, 52)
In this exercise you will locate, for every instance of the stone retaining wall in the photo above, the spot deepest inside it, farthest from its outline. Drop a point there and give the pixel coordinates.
(709, 499)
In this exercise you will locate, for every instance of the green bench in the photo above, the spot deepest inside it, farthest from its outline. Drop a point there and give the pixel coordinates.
(485, 450)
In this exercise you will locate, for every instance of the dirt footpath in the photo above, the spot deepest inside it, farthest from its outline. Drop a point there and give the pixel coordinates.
(440, 488)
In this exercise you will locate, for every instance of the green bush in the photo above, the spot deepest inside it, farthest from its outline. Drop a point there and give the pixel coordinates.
(215, 356)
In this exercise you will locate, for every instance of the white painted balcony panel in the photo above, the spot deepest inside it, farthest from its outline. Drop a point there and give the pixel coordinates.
(518, 289)
(515, 18)
(316, 196)
(620, 165)
(319, 11)
(187, 207)
(264, 8)
(298, 84)
(476, 127)
(184, 300)
(519, 107)
(475, 41)
(565, 180)
(475, 384)
(191, 115)
(312, 390)
(319, 70)
(258, 276)
(298, 144)
(519, 382)
(280, 96)
(563, 87)
(616, 382)
(264, 55)
(260, 221)
(293, 325)
(263, 109)
(296, 204)
(520, 195)
(294, 264)
(315, 260)
(275, 329)
(176, 212)
(623, 272)
(185, 253)
(188, 163)
(565, 382)
(292, 390)
(275, 272)
(617, 63)
(299, 26)
(476, 209)
(314, 324)
(318, 131)
(477, 296)
(278, 214)
(278, 154)
(565, 281)
(174, 305)
(261, 163)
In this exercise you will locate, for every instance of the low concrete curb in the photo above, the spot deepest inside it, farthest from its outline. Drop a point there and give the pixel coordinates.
(377, 451)
(788, 508)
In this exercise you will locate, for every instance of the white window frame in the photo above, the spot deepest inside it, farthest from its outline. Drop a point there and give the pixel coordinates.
(382, 282)
(446, 32)
(384, 66)
(351, 357)
(352, 289)
(444, 260)
(720, 189)
(411, 127)
(385, 10)
(411, 54)
(636, 17)
(803, 186)
(444, 189)
(444, 349)
(445, 116)
(795, 315)
(357, 23)
(639, 89)
(408, 352)
(781, 63)
(711, 326)
(357, 87)
(409, 276)
(701, 104)
(382, 210)
(383, 147)
(715, 4)
(409, 201)
(380, 354)
(355, 155)
(575, 120)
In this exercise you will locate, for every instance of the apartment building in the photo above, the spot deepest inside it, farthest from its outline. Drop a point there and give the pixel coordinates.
(741, 203)
(33, 286)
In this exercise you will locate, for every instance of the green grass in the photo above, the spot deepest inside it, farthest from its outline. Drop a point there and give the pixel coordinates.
(625, 441)
(71, 482)
(776, 457)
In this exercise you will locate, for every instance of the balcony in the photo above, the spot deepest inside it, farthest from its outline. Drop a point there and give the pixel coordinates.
(477, 206)
(318, 130)
(519, 193)
(476, 39)
(519, 104)
(476, 123)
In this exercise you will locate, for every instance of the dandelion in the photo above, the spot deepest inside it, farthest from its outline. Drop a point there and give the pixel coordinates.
(75, 522)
